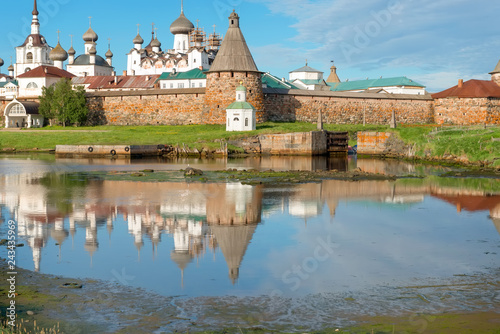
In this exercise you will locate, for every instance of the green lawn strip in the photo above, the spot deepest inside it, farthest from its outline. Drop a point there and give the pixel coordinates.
(193, 136)
(474, 142)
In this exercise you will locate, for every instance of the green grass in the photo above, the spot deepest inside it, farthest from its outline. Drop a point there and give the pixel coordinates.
(475, 143)
(194, 136)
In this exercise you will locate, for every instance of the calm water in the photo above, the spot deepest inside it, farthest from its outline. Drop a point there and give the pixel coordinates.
(238, 240)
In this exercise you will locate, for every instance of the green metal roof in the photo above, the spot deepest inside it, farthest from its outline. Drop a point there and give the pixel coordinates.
(273, 81)
(372, 83)
(240, 105)
(241, 88)
(2, 84)
(195, 73)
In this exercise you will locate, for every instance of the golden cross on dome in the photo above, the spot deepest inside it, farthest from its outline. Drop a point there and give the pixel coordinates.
(58, 31)
(90, 21)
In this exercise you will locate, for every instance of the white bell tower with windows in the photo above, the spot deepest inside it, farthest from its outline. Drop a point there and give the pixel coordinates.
(34, 51)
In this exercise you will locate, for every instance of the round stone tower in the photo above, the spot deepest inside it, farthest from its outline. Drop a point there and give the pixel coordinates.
(233, 66)
(495, 75)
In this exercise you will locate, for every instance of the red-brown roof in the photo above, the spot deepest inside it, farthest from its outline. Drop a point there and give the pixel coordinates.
(37, 40)
(471, 88)
(46, 72)
(471, 203)
(122, 82)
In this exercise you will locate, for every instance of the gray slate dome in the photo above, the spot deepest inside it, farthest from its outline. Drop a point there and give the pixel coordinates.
(58, 53)
(90, 36)
(155, 43)
(109, 54)
(138, 39)
(1, 62)
(10, 68)
(181, 26)
(71, 51)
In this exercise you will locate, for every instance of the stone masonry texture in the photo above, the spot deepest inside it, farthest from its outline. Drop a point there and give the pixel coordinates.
(221, 92)
(467, 111)
(342, 110)
(373, 142)
(194, 106)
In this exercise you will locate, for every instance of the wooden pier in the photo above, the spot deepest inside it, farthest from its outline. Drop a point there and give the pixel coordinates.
(110, 150)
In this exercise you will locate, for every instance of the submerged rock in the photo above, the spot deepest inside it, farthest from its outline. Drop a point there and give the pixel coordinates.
(192, 171)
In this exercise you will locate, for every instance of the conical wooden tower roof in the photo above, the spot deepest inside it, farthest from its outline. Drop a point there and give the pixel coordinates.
(234, 54)
(233, 242)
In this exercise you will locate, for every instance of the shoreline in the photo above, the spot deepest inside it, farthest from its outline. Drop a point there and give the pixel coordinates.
(465, 146)
(94, 306)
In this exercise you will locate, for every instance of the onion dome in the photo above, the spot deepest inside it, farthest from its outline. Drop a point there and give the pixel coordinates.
(90, 36)
(155, 43)
(138, 39)
(1, 62)
(71, 51)
(92, 50)
(58, 53)
(181, 26)
(109, 54)
(10, 68)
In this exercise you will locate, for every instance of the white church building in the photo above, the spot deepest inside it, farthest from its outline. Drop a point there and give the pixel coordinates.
(240, 115)
(191, 50)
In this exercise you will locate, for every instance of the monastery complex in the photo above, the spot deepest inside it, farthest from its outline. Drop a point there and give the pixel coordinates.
(199, 77)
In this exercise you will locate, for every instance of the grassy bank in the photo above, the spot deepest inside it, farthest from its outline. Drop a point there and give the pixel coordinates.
(194, 136)
(466, 143)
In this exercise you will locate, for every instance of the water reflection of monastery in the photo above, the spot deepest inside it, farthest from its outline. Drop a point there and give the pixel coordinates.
(199, 217)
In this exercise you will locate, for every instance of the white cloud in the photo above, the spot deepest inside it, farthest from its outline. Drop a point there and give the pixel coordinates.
(430, 38)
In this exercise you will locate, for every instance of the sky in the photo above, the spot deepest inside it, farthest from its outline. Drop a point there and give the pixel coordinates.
(433, 42)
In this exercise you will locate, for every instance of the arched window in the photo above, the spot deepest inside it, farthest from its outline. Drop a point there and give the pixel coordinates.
(27, 69)
(29, 58)
(17, 109)
(236, 119)
(32, 85)
(246, 121)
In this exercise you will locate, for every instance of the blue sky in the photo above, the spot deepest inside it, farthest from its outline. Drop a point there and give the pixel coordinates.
(435, 42)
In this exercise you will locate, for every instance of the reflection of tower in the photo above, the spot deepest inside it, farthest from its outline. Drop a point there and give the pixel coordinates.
(91, 243)
(72, 229)
(233, 242)
(155, 238)
(38, 234)
(182, 259)
(109, 226)
(59, 234)
(181, 255)
(37, 252)
(135, 228)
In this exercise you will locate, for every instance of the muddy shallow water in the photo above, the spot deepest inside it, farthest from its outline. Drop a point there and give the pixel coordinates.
(194, 256)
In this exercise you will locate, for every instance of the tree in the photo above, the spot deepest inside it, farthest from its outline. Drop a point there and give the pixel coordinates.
(63, 104)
